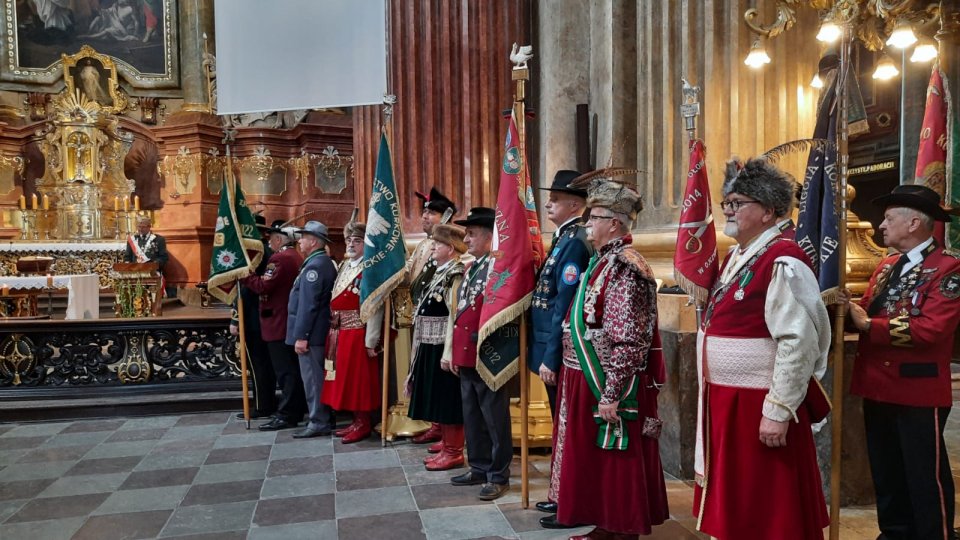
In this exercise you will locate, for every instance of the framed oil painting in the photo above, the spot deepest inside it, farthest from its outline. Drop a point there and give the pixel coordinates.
(139, 35)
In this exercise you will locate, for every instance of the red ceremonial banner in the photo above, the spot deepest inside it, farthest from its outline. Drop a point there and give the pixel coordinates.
(695, 258)
(932, 155)
(515, 255)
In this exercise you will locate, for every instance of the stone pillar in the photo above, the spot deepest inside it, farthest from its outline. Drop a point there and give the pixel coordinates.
(196, 18)
(613, 81)
(563, 51)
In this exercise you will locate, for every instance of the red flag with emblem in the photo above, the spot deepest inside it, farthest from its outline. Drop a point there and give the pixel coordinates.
(695, 258)
(932, 155)
(515, 255)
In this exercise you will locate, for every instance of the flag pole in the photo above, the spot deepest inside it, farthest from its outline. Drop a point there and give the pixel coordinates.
(521, 75)
(836, 443)
(242, 346)
(389, 101)
(690, 110)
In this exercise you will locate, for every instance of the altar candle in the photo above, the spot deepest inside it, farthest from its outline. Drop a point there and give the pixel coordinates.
(33, 199)
(116, 204)
(136, 203)
(23, 202)
(46, 202)
(126, 205)
(5, 290)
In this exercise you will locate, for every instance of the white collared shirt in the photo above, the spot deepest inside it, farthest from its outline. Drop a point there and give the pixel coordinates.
(556, 233)
(915, 256)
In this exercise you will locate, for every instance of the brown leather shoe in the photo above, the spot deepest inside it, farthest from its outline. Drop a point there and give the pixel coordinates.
(492, 492)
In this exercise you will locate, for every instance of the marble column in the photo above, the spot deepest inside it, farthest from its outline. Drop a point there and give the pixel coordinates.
(196, 19)
(563, 52)
(613, 81)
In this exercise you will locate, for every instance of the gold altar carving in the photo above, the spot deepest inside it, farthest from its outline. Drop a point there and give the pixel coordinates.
(183, 171)
(134, 367)
(9, 168)
(84, 149)
(863, 254)
(332, 170)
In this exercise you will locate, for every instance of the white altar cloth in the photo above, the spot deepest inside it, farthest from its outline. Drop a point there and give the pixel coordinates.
(83, 291)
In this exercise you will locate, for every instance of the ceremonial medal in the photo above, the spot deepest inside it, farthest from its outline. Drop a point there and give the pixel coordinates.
(738, 294)
(915, 312)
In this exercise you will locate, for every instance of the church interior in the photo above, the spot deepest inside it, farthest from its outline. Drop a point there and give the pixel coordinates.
(116, 381)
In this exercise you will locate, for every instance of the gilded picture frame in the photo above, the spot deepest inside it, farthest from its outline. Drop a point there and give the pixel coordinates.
(141, 36)
(94, 75)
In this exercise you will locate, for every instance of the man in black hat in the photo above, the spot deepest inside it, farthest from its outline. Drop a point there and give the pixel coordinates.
(273, 288)
(486, 413)
(261, 371)
(421, 267)
(907, 319)
(556, 283)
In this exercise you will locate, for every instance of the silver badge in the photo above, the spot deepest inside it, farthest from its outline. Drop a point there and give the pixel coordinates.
(738, 295)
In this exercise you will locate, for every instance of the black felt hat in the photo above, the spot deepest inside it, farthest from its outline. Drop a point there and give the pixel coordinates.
(261, 222)
(276, 227)
(917, 197)
(436, 201)
(561, 183)
(480, 216)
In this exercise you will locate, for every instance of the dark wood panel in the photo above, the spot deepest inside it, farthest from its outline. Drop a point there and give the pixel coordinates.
(449, 68)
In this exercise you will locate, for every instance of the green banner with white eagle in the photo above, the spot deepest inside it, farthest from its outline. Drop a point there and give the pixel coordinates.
(236, 244)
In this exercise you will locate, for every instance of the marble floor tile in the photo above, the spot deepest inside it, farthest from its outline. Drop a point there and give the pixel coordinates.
(33, 471)
(159, 478)
(132, 526)
(171, 460)
(83, 426)
(376, 478)
(28, 441)
(465, 522)
(62, 507)
(220, 493)
(227, 472)
(316, 530)
(23, 489)
(122, 449)
(210, 519)
(179, 433)
(320, 446)
(396, 526)
(55, 529)
(143, 500)
(84, 484)
(62, 453)
(303, 465)
(76, 438)
(149, 422)
(204, 419)
(36, 429)
(128, 435)
(245, 439)
(368, 459)
(294, 510)
(104, 465)
(369, 502)
(188, 444)
(233, 455)
(446, 495)
(298, 485)
(9, 508)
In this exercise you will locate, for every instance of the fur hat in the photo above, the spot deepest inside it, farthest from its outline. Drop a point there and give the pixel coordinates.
(761, 181)
(451, 236)
(354, 229)
(605, 192)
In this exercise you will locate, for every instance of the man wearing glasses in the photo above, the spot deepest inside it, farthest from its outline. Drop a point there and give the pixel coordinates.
(762, 346)
(606, 470)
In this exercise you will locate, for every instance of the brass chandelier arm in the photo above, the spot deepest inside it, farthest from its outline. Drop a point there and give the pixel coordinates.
(786, 18)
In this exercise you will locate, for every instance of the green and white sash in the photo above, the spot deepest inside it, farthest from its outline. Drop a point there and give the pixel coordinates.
(612, 435)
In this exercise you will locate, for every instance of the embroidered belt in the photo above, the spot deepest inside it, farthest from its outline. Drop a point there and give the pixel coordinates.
(346, 320)
(740, 362)
(430, 330)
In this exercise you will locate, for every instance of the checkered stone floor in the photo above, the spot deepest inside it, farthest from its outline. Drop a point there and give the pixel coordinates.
(204, 476)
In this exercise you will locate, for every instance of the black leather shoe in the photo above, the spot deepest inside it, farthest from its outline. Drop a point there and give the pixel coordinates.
(468, 478)
(277, 424)
(550, 522)
(491, 491)
(547, 506)
(309, 432)
(254, 415)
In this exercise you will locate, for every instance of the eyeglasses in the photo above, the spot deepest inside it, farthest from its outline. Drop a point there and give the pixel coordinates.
(734, 205)
(594, 218)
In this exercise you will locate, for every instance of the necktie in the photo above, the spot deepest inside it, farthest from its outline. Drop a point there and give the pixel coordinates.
(880, 294)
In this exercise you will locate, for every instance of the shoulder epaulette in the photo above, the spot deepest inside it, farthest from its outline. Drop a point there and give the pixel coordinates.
(951, 253)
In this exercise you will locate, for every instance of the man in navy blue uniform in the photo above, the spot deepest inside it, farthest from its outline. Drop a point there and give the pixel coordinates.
(308, 319)
(556, 284)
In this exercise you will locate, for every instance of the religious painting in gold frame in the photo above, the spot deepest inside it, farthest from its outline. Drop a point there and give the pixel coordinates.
(95, 76)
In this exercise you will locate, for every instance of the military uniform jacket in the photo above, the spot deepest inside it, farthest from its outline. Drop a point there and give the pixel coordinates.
(466, 326)
(905, 356)
(555, 287)
(274, 290)
(153, 246)
(308, 310)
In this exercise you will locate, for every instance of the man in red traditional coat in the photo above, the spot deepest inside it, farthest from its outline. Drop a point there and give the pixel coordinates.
(607, 470)
(907, 320)
(352, 380)
(763, 344)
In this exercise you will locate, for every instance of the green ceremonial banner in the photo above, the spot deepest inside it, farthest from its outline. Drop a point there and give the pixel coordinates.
(236, 244)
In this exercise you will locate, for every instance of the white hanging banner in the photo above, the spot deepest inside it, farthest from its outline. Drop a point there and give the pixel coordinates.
(281, 55)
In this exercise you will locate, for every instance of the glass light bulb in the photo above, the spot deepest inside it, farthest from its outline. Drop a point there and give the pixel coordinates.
(924, 52)
(829, 32)
(885, 70)
(758, 56)
(902, 35)
(816, 82)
